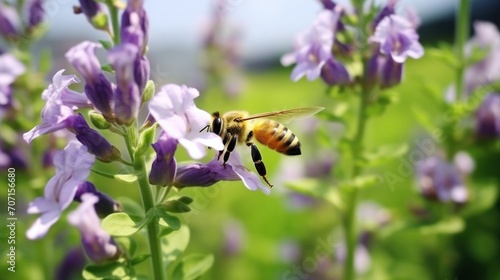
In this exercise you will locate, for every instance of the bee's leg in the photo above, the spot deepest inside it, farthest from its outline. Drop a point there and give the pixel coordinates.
(230, 148)
(259, 164)
(224, 141)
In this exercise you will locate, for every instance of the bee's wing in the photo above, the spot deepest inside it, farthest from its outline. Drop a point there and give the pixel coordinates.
(286, 115)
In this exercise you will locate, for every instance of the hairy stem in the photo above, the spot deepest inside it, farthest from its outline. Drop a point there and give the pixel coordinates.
(148, 203)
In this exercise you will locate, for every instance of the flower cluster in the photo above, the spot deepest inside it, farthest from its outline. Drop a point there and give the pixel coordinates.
(322, 50)
(443, 181)
(13, 25)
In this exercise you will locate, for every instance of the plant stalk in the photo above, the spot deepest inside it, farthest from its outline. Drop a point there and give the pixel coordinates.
(461, 36)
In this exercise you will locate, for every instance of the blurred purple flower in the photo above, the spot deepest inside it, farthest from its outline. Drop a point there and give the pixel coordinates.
(207, 174)
(397, 38)
(71, 266)
(372, 216)
(72, 168)
(313, 48)
(97, 243)
(335, 73)
(10, 69)
(93, 140)
(35, 12)
(233, 237)
(362, 258)
(9, 21)
(289, 251)
(12, 157)
(488, 117)
(164, 166)
(97, 88)
(388, 10)
(133, 16)
(174, 109)
(90, 8)
(127, 98)
(104, 206)
(438, 179)
(485, 71)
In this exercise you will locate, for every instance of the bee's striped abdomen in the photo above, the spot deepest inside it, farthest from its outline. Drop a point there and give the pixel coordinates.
(276, 136)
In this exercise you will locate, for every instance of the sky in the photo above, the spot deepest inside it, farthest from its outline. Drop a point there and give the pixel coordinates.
(268, 26)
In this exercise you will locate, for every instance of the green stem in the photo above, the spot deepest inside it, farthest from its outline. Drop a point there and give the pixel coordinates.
(113, 12)
(148, 203)
(461, 36)
(356, 151)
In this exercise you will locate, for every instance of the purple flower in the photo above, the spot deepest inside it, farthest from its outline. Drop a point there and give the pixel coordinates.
(388, 10)
(335, 73)
(488, 117)
(93, 140)
(164, 166)
(90, 8)
(127, 98)
(174, 110)
(207, 174)
(34, 12)
(105, 206)
(72, 265)
(485, 71)
(9, 21)
(233, 237)
(438, 179)
(97, 88)
(97, 243)
(72, 168)
(142, 71)
(60, 103)
(313, 47)
(10, 69)
(397, 38)
(135, 16)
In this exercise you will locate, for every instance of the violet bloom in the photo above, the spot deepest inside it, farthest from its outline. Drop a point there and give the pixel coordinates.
(313, 48)
(34, 11)
(488, 117)
(93, 140)
(438, 179)
(10, 69)
(164, 166)
(90, 8)
(72, 265)
(135, 7)
(397, 37)
(207, 174)
(97, 243)
(335, 73)
(72, 168)
(174, 109)
(127, 98)
(97, 88)
(485, 71)
(60, 103)
(105, 206)
(9, 21)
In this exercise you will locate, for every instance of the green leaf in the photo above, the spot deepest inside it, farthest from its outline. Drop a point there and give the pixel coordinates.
(45, 61)
(318, 189)
(121, 224)
(145, 139)
(476, 55)
(139, 259)
(149, 91)
(192, 267)
(126, 178)
(130, 206)
(175, 243)
(360, 182)
(176, 206)
(452, 225)
(185, 199)
(98, 120)
(107, 45)
(166, 219)
(108, 68)
(112, 270)
(445, 54)
(383, 154)
(165, 231)
(482, 199)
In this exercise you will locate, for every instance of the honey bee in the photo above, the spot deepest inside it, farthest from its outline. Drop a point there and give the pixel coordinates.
(238, 127)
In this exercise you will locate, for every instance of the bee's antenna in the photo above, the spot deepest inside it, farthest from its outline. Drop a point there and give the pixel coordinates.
(206, 127)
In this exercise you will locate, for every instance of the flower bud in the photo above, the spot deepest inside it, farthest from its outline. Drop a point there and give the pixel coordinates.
(104, 206)
(488, 118)
(391, 73)
(335, 73)
(95, 142)
(164, 166)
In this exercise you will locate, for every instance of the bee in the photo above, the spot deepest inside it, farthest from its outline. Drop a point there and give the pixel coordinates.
(239, 127)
